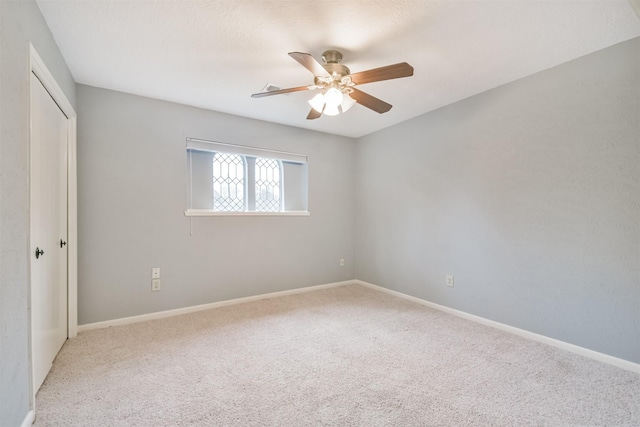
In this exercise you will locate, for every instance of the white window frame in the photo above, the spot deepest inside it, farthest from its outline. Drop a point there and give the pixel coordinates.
(246, 152)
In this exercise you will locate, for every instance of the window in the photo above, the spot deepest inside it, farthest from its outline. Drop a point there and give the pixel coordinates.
(227, 179)
(228, 182)
(267, 182)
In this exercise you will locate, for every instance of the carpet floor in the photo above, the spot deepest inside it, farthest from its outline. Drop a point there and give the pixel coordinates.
(344, 356)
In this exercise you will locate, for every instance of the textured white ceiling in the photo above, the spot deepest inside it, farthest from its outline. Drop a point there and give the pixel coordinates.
(215, 54)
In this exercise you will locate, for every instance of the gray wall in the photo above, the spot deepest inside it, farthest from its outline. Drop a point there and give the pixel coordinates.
(20, 22)
(132, 194)
(529, 194)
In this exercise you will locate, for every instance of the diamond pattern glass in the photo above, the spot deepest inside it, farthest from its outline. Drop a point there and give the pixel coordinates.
(267, 185)
(228, 183)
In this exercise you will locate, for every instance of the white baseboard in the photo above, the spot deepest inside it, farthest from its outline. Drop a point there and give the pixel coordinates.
(195, 308)
(591, 354)
(29, 419)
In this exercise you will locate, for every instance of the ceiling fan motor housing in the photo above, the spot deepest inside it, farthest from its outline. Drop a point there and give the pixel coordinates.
(331, 56)
(339, 73)
(337, 69)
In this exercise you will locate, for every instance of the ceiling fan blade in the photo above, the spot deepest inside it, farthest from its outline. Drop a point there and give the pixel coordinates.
(313, 114)
(310, 63)
(280, 91)
(389, 72)
(362, 98)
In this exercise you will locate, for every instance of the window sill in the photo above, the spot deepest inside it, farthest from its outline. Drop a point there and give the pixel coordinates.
(207, 212)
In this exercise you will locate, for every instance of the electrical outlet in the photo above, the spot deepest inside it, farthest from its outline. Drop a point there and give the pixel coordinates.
(341, 262)
(450, 281)
(155, 273)
(155, 285)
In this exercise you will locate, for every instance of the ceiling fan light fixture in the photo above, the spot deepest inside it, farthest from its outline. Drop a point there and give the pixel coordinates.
(331, 110)
(347, 102)
(317, 102)
(333, 97)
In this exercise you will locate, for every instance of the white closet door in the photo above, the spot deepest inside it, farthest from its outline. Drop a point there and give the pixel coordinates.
(48, 218)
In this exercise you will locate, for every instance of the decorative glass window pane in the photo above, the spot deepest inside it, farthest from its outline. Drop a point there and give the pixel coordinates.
(226, 179)
(267, 173)
(228, 182)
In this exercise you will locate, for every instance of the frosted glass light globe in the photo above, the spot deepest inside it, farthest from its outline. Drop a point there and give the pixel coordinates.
(333, 97)
(317, 102)
(347, 103)
(330, 110)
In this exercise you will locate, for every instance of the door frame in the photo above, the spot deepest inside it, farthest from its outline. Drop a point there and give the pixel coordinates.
(38, 67)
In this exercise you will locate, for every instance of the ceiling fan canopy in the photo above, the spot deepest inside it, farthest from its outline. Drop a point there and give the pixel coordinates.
(337, 84)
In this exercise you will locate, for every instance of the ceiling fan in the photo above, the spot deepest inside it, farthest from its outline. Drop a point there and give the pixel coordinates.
(338, 84)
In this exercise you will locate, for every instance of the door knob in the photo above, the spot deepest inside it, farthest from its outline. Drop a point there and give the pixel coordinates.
(62, 243)
(39, 252)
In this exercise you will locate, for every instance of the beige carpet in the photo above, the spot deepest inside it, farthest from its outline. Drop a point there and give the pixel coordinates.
(346, 356)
